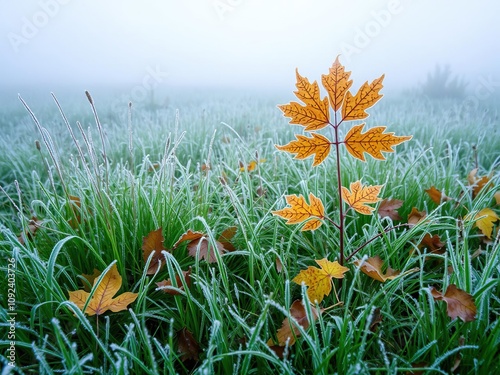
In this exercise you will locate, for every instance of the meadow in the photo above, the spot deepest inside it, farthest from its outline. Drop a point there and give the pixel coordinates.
(81, 191)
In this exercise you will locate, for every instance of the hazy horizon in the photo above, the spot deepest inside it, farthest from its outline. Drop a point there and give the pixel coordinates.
(241, 44)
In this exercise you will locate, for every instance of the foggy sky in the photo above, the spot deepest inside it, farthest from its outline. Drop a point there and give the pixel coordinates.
(242, 43)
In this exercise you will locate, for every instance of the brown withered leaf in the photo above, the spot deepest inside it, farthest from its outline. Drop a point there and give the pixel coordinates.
(415, 217)
(33, 225)
(153, 241)
(436, 195)
(289, 330)
(432, 243)
(459, 303)
(375, 320)
(187, 345)
(165, 284)
(225, 238)
(279, 265)
(373, 268)
(477, 182)
(388, 207)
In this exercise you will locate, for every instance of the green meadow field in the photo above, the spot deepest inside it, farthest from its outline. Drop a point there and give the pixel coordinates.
(81, 191)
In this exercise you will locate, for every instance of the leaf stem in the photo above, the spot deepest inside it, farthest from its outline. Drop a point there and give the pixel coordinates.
(387, 230)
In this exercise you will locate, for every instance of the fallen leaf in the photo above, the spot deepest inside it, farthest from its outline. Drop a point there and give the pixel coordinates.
(315, 114)
(484, 220)
(279, 265)
(187, 345)
(102, 300)
(198, 241)
(319, 280)
(436, 195)
(33, 225)
(432, 243)
(459, 303)
(373, 142)
(415, 217)
(373, 268)
(289, 330)
(388, 207)
(317, 145)
(336, 83)
(476, 182)
(360, 195)
(225, 238)
(165, 284)
(299, 211)
(153, 241)
(375, 319)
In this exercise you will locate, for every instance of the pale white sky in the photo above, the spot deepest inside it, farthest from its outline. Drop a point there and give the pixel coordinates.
(242, 43)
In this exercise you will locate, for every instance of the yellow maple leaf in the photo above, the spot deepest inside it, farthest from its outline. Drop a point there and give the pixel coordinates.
(315, 114)
(299, 211)
(102, 299)
(368, 94)
(304, 146)
(373, 141)
(484, 220)
(319, 280)
(336, 83)
(360, 195)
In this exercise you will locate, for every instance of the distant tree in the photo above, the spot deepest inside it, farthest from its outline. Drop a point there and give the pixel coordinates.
(441, 84)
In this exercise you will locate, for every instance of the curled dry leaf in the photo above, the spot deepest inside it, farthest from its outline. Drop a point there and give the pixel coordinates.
(289, 330)
(102, 300)
(33, 225)
(166, 286)
(198, 242)
(360, 196)
(299, 211)
(476, 182)
(436, 195)
(373, 268)
(415, 217)
(432, 243)
(459, 303)
(187, 345)
(388, 207)
(319, 280)
(153, 241)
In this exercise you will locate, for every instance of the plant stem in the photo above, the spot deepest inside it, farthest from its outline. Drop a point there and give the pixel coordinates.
(339, 188)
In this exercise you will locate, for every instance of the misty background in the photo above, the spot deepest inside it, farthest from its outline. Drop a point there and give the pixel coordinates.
(250, 46)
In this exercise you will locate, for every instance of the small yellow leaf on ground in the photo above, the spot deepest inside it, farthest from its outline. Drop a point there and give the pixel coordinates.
(102, 300)
(484, 220)
(319, 280)
(360, 195)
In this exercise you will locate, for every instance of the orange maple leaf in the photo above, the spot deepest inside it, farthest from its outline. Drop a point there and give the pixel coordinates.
(373, 142)
(102, 299)
(436, 195)
(315, 114)
(299, 211)
(304, 147)
(360, 195)
(319, 280)
(354, 107)
(459, 303)
(153, 241)
(289, 330)
(415, 217)
(477, 182)
(336, 83)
